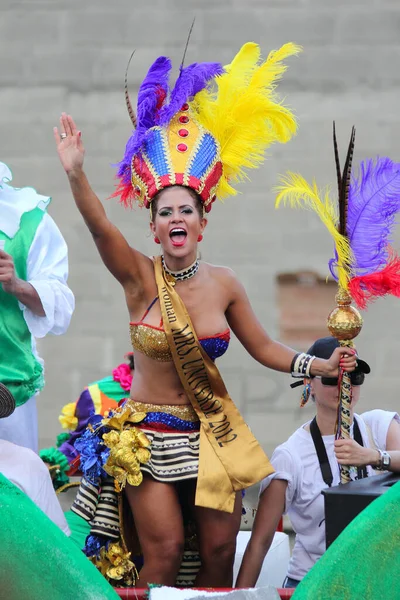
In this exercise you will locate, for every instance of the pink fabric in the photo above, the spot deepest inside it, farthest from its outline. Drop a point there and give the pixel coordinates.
(122, 373)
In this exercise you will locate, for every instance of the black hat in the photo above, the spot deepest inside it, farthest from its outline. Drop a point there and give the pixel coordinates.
(7, 402)
(324, 347)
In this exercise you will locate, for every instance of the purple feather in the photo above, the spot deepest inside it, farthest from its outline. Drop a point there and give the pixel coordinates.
(191, 80)
(156, 81)
(374, 201)
(151, 92)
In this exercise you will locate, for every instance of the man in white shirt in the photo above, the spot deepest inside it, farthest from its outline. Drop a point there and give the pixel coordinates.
(34, 300)
(27, 471)
(295, 487)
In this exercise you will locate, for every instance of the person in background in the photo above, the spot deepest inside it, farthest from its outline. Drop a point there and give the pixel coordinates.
(34, 300)
(295, 487)
(22, 467)
(98, 398)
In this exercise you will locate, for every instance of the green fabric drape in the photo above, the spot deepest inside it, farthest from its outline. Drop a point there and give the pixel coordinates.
(37, 560)
(363, 563)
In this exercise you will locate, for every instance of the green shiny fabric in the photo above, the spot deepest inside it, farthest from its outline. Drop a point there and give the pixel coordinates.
(80, 528)
(363, 563)
(37, 560)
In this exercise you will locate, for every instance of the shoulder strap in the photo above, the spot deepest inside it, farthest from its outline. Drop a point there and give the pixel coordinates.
(361, 471)
(320, 449)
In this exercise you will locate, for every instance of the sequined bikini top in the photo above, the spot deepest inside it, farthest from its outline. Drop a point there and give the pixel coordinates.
(152, 341)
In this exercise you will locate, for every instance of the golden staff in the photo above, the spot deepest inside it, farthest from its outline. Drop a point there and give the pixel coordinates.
(365, 265)
(344, 322)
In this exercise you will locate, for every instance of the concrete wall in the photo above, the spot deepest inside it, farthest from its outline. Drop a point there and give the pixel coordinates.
(67, 55)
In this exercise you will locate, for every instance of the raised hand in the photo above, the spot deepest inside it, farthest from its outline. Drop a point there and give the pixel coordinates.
(69, 144)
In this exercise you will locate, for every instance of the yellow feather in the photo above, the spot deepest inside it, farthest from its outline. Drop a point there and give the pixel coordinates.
(243, 112)
(295, 190)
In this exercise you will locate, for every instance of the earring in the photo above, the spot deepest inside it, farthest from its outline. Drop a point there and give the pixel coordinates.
(157, 241)
(200, 238)
(305, 395)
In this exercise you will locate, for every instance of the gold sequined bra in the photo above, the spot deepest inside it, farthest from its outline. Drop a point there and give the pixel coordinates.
(152, 341)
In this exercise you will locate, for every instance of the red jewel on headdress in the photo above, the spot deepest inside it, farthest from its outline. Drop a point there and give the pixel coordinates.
(183, 132)
(184, 119)
(181, 147)
(185, 106)
(137, 189)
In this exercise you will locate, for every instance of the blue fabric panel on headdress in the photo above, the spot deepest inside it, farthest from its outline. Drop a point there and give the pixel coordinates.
(205, 156)
(154, 149)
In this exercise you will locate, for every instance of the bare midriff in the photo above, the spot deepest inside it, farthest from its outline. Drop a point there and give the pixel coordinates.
(156, 382)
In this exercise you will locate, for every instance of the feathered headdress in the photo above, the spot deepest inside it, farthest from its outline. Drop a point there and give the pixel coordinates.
(361, 223)
(208, 130)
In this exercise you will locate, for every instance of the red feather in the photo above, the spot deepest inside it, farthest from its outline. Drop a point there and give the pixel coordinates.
(125, 193)
(161, 95)
(366, 288)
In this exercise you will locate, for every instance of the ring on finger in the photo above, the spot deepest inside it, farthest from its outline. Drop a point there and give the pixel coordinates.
(63, 136)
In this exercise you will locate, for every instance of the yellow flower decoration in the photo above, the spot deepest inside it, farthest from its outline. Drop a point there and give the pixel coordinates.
(121, 415)
(128, 450)
(67, 418)
(115, 564)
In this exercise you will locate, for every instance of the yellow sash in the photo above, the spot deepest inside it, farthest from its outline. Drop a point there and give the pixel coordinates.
(231, 459)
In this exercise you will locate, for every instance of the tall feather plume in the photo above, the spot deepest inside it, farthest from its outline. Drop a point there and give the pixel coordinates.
(374, 203)
(244, 113)
(337, 161)
(187, 44)
(295, 190)
(345, 187)
(131, 112)
(191, 81)
(151, 96)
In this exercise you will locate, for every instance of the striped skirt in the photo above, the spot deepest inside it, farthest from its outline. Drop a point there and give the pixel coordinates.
(174, 437)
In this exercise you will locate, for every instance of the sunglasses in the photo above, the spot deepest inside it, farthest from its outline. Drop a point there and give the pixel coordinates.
(355, 378)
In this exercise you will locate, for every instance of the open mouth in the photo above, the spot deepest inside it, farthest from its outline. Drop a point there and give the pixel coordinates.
(178, 236)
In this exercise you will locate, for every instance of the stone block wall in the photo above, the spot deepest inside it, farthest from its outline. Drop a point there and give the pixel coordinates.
(67, 55)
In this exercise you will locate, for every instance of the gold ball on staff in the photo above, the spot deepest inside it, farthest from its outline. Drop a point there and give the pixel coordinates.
(344, 322)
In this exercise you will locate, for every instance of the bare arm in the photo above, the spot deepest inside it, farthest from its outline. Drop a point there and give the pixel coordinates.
(270, 509)
(122, 261)
(348, 452)
(262, 348)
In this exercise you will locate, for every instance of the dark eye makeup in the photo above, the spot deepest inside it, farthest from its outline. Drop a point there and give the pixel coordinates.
(167, 212)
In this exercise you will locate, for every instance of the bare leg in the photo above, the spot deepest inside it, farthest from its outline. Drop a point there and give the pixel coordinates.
(217, 532)
(158, 520)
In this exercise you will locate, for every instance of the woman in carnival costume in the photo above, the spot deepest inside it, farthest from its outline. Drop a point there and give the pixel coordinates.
(180, 438)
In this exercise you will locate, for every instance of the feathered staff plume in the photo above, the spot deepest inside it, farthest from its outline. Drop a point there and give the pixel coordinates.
(374, 203)
(364, 263)
(295, 190)
(244, 113)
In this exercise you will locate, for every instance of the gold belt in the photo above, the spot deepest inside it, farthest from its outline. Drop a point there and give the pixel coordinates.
(185, 412)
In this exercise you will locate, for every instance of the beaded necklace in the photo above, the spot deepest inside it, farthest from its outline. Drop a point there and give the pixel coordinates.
(186, 273)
